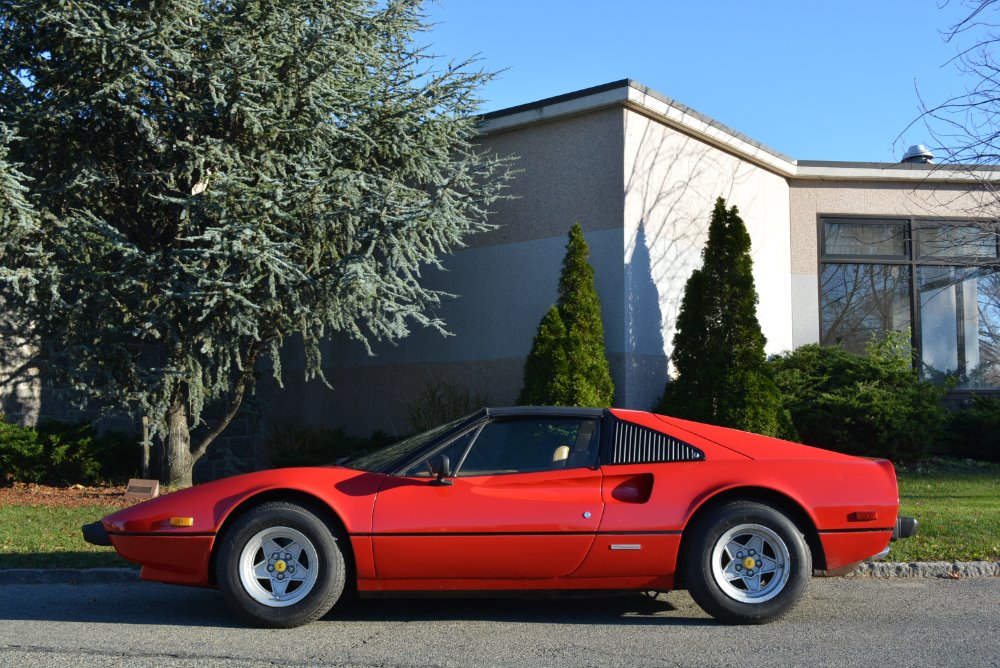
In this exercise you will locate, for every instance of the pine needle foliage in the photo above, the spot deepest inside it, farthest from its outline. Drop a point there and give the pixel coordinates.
(14, 209)
(18, 223)
(567, 365)
(718, 350)
(211, 178)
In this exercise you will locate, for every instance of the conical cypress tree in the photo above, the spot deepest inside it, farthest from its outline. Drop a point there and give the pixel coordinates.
(567, 365)
(718, 350)
(546, 371)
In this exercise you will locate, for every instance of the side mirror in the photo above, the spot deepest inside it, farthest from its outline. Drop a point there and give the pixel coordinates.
(442, 470)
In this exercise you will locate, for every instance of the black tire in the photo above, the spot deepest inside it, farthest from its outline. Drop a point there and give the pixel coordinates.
(765, 577)
(301, 578)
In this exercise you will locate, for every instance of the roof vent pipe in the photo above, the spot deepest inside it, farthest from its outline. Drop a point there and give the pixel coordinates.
(918, 154)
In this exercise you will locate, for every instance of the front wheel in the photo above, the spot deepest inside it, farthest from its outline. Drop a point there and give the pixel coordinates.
(280, 565)
(747, 563)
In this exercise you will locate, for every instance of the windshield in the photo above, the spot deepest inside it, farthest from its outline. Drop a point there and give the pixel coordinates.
(397, 453)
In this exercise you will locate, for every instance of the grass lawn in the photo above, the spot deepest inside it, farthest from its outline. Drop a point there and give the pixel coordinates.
(49, 537)
(957, 504)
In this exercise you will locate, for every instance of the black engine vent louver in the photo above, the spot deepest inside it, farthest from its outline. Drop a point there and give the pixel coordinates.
(639, 445)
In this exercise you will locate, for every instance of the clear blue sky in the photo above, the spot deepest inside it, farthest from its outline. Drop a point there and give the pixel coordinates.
(814, 79)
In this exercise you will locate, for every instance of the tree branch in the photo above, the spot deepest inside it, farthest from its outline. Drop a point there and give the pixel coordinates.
(234, 406)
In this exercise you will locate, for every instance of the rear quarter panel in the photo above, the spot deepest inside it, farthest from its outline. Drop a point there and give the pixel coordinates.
(851, 502)
(829, 492)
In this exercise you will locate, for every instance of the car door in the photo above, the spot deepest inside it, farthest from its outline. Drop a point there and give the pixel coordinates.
(523, 501)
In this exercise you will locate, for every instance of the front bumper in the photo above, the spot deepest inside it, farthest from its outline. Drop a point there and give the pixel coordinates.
(95, 534)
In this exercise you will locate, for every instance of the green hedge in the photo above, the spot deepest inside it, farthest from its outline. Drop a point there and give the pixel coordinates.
(973, 431)
(58, 453)
(871, 405)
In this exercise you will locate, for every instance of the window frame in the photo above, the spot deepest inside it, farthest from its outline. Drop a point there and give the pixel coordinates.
(846, 258)
(596, 450)
(449, 440)
(913, 260)
(592, 464)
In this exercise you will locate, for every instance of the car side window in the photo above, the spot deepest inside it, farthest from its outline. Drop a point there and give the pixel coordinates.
(522, 445)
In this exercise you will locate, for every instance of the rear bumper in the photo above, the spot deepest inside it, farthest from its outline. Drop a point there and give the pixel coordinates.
(905, 528)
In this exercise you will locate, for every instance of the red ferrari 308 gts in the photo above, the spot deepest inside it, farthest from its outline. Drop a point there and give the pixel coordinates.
(526, 499)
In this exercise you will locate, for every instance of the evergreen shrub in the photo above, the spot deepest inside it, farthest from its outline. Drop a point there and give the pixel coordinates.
(973, 431)
(870, 405)
(58, 453)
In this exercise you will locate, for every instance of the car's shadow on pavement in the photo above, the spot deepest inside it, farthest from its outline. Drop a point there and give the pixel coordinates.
(154, 604)
(131, 603)
(625, 608)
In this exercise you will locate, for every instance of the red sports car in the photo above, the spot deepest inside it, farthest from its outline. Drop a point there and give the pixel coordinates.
(526, 499)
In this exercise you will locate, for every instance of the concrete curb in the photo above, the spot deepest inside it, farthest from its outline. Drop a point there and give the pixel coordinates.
(881, 569)
(928, 569)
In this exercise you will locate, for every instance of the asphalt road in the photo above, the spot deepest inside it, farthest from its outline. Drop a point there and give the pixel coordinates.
(842, 622)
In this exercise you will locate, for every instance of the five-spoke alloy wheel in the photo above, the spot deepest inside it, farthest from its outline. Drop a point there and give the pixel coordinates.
(280, 565)
(746, 563)
(750, 563)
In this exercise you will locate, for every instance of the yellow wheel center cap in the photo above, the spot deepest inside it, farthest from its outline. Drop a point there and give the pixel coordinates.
(747, 563)
(280, 566)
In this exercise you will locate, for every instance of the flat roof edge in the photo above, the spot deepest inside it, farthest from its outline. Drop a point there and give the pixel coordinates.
(560, 106)
(631, 94)
(895, 171)
(916, 166)
(708, 120)
(556, 99)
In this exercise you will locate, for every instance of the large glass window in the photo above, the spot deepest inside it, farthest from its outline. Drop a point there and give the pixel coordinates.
(960, 324)
(861, 300)
(940, 279)
(870, 238)
(956, 241)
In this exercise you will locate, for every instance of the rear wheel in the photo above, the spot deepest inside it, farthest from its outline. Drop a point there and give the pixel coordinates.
(747, 563)
(280, 565)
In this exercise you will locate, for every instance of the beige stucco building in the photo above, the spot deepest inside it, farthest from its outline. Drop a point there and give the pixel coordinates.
(838, 253)
(640, 173)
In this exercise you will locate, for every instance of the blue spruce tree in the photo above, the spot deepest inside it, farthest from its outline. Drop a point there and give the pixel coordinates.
(212, 178)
